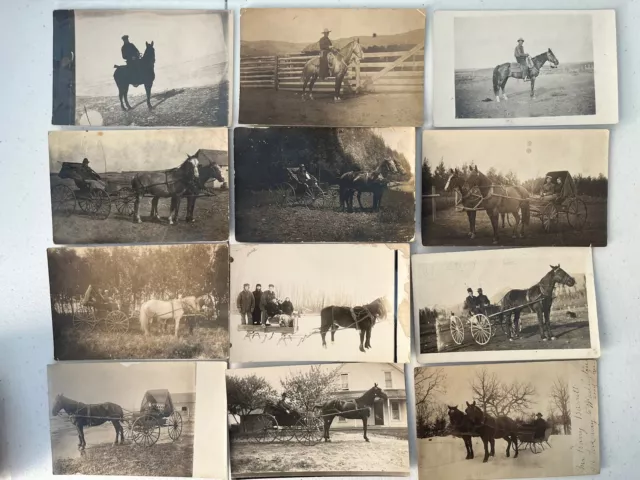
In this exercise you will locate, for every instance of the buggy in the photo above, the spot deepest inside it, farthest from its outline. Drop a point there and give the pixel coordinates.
(156, 411)
(295, 191)
(564, 202)
(527, 439)
(94, 309)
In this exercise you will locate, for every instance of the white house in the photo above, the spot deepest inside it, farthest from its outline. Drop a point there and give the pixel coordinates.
(221, 157)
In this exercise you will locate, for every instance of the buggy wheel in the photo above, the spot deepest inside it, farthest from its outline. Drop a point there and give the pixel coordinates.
(145, 431)
(85, 319)
(63, 201)
(549, 218)
(285, 195)
(117, 322)
(457, 329)
(480, 329)
(174, 426)
(266, 429)
(314, 197)
(96, 203)
(309, 430)
(127, 426)
(125, 201)
(577, 214)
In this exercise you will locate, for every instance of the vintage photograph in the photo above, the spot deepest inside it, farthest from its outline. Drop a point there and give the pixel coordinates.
(501, 68)
(318, 420)
(544, 413)
(141, 68)
(515, 187)
(515, 304)
(332, 67)
(139, 186)
(316, 303)
(324, 184)
(144, 302)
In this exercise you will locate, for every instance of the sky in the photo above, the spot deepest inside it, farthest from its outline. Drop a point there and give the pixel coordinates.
(119, 383)
(528, 153)
(486, 41)
(402, 140)
(306, 25)
(132, 150)
(274, 374)
(187, 45)
(441, 281)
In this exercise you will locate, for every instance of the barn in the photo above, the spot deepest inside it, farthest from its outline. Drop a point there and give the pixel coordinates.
(185, 404)
(221, 157)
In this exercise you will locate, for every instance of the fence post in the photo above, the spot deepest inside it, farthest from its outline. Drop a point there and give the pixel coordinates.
(275, 74)
(433, 203)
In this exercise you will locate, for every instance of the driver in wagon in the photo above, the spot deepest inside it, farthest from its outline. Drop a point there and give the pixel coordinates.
(551, 190)
(285, 404)
(482, 302)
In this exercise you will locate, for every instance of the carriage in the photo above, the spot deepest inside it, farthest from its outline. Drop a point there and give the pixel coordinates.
(294, 192)
(156, 412)
(286, 329)
(564, 202)
(527, 439)
(274, 423)
(91, 313)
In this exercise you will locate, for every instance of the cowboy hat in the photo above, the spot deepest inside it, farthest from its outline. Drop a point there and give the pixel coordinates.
(521, 39)
(326, 30)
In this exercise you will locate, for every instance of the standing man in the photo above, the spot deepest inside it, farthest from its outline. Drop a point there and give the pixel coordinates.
(325, 45)
(267, 297)
(256, 313)
(521, 58)
(245, 303)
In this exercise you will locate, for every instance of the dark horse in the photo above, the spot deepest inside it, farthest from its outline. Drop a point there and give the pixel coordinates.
(374, 182)
(205, 173)
(139, 73)
(542, 291)
(490, 428)
(169, 183)
(362, 318)
(85, 415)
(478, 193)
(359, 408)
(463, 427)
(502, 73)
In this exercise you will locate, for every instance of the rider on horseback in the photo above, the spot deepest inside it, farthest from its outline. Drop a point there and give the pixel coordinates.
(131, 55)
(523, 59)
(325, 47)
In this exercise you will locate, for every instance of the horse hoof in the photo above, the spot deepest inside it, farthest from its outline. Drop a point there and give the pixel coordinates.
(497, 100)
(363, 350)
(485, 460)
(366, 440)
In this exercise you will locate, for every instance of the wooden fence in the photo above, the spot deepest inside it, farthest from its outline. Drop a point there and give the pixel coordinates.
(399, 71)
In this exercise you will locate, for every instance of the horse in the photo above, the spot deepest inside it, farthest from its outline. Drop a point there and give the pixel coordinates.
(169, 183)
(362, 318)
(170, 309)
(501, 73)
(374, 182)
(478, 193)
(142, 72)
(490, 428)
(339, 62)
(205, 173)
(542, 291)
(462, 427)
(90, 415)
(358, 408)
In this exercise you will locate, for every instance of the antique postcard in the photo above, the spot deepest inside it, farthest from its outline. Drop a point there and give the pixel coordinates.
(502, 68)
(515, 187)
(324, 184)
(139, 186)
(336, 420)
(318, 303)
(516, 304)
(544, 413)
(138, 419)
(142, 68)
(143, 302)
(332, 66)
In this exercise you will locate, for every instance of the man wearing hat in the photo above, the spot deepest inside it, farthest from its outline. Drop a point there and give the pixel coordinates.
(129, 51)
(245, 303)
(522, 58)
(540, 425)
(470, 302)
(482, 301)
(268, 297)
(325, 47)
(257, 313)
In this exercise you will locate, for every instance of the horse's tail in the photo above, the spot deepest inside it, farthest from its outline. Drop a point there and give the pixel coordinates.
(496, 80)
(144, 319)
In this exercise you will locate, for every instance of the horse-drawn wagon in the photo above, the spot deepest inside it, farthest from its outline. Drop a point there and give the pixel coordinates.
(95, 310)
(286, 325)
(156, 412)
(276, 423)
(309, 193)
(527, 439)
(564, 201)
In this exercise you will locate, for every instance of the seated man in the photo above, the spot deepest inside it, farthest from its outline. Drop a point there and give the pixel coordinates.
(540, 426)
(273, 308)
(551, 191)
(303, 176)
(284, 404)
(470, 303)
(482, 302)
(287, 306)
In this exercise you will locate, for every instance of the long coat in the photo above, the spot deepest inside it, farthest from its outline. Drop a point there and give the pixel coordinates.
(257, 295)
(266, 297)
(245, 302)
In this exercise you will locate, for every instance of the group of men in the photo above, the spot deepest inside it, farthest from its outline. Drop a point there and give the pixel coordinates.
(257, 307)
(475, 304)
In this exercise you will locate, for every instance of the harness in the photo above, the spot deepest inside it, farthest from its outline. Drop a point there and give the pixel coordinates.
(356, 320)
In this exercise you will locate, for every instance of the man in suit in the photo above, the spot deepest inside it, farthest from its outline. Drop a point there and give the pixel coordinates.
(470, 302)
(245, 303)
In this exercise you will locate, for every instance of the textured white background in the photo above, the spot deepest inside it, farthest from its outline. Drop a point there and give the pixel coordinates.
(25, 224)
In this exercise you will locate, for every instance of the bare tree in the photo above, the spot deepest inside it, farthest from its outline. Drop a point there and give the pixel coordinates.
(428, 382)
(486, 389)
(498, 398)
(562, 401)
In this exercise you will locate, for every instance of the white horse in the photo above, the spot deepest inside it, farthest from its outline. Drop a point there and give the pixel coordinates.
(170, 309)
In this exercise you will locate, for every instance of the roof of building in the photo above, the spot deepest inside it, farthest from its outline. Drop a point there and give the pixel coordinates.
(221, 157)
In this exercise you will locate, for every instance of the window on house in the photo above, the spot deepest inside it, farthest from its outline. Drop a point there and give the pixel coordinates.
(395, 410)
(388, 383)
(344, 381)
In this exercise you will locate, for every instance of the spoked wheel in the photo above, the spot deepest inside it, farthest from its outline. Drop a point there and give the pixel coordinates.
(96, 203)
(577, 214)
(457, 329)
(549, 218)
(117, 322)
(505, 324)
(85, 319)
(63, 201)
(127, 426)
(285, 195)
(480, 329)
(125, 202)
(309, 430)
(266, 429)
(174, 426)
(145, 431)
(314, 197)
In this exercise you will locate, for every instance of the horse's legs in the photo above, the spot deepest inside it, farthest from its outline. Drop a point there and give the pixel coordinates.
(334, 329)
(312, 82)
(136, 208)
(367, 343)
(359, 200)
(121, 94)
(485, 442)
(493, 447)
(514, 441)
(516, 323)
(116, 426)
(364, 428)
(470, 447)
(173, 211)
(502, 86)
(514, 233)
(327, 425)
(533, 83)
(362, 340)
(305, 80)
(323, 333)
(125, 93)
(540, 321)
(493, 216)
(547, 322)
(508, 440)
(154, 208)
(471, 216)
(338, 85)
(147, 87)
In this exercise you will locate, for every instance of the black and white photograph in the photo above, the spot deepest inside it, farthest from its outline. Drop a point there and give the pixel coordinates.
(139, 186)
(515, 188)
(318, 420)
(318, 303)
(142, 68)
(332, 66)
(514, 420)
(143, 302)
(324, 184)
(525, 68)
(514, 304)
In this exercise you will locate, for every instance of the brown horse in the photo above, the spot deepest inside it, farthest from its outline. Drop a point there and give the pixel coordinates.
(169, 183)
(374, 182)
(362, 318)
(491, 428)
(205, 173)
(478, 193)
(501, 73)
(339, 61)
(461, 426)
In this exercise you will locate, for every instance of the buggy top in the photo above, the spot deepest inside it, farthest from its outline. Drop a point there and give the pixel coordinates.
(157, 401)
(568, 185)
(76, 171)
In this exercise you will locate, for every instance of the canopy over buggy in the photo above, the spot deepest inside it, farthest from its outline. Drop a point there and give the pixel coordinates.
(157, 401)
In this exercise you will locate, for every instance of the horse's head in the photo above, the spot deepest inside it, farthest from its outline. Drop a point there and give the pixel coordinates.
(377, 392)
(455, 180)
(562, 277)
(215, 172)
(379, 308)
(190, 166)
(58, 404)
(352, 49)
(552, 59)
(456, 416)
(475, 413)
(149, 53)
(357, 49)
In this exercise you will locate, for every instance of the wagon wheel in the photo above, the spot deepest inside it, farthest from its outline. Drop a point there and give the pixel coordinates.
(125, 202)
(85, 319)
(285, 195)
(480, 329)
(549, 218)
(577, 214)
(63, 200)
(313, 197)
(332, 198)
(174, 426)
(96, 203)
(457, 329)
(117, 322)
(266, 429)
(145, 431)
(127, 426)
(309, 430)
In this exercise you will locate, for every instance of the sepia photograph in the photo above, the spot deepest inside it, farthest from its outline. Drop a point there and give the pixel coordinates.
(324, 184)
(514, 420)
(317, 303)
(142, 68)
(332, 67)
(144, 302)
(515, 188)
(139, 186)
(515, 304)
(501, 68)
(336, 420)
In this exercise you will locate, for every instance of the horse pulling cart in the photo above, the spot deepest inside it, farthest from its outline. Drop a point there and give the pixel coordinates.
(277, 424)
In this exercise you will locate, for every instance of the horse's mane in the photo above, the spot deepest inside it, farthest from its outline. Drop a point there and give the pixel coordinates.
(343, 50)
(378, 305)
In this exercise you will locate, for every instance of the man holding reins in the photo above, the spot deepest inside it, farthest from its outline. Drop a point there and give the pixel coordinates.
(325, 45)
(523, 59)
